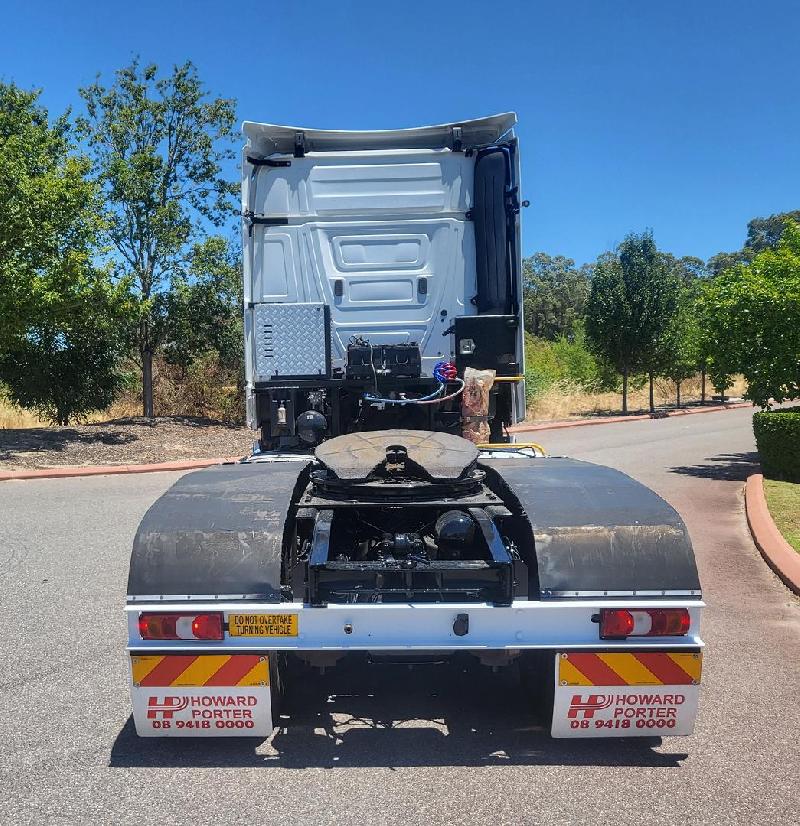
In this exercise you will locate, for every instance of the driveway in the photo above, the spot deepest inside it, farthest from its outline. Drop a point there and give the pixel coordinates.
(385, 744)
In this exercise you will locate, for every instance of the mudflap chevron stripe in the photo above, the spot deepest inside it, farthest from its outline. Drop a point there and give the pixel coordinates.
(619, 669)
(193, 671)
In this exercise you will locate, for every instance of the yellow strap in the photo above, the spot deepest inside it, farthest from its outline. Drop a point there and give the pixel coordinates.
(510, 446)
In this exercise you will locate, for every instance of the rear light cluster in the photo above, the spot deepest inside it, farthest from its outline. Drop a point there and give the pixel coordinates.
(618, 623)
(181, 626)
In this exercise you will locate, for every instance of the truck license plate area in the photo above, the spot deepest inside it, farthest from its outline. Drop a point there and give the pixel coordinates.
(216, 695)
(641, 694)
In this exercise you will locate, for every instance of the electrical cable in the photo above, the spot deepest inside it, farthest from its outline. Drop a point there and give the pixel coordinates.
(444, 372)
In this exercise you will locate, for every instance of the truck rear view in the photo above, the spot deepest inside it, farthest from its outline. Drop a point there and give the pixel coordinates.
(385, 510)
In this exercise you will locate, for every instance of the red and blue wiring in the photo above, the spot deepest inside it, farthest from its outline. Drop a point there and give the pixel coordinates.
(445, 373)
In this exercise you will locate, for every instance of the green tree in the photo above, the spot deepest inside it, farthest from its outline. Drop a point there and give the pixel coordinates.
(67, 363)
(751, 314)
(682, 346)
(725, 260)
(762, 234)
(159, 145)
(49, 214)
(554, 295)
(687, 268)
(61, 315)
(202, 312)
(766, 233)
(630, 307)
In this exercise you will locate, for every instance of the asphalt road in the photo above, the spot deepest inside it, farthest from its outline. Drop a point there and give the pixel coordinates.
(385, 744)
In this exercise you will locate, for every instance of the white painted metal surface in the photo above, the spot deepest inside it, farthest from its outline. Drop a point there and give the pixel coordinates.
(373, 224)
(268, 138)
(525, 624)
(381, 239)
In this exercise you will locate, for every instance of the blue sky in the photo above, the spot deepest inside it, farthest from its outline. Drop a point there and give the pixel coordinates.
(678, 115)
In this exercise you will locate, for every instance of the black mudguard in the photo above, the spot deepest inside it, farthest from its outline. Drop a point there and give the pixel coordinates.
(217, 531)
(596, 529)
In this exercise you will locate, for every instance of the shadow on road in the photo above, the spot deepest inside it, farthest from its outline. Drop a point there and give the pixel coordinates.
(389, 716)
(33, 439)
(727, 467)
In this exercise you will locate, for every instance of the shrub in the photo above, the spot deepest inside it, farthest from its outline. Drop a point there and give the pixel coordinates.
(566, 361)
(61, 375)
(206, 389)
(778, 439)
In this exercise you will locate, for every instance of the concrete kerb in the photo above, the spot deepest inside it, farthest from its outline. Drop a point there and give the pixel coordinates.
(528, 428)
(777, 552)
(108, 470)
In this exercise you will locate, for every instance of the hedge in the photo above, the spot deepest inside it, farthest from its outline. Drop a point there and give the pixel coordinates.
(778, 438)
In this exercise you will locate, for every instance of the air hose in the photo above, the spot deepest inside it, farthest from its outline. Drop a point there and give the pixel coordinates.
(444, 372)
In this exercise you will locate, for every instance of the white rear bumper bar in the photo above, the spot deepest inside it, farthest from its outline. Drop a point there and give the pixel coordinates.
(553, 624)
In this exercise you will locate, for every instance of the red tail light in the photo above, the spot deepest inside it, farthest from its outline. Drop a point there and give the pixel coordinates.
(180, 626)
(618, 623)
(615, 624)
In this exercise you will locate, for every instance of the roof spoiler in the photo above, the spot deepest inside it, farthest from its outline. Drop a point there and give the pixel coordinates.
(268, 139)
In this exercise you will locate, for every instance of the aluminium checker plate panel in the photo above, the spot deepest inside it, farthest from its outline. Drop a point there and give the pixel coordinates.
(291, 340)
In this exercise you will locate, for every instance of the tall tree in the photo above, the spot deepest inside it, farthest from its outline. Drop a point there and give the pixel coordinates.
(630, 307)
(554, 295)
(682, 341)
(687, 268)
(159, 144)
(766, 233)
(762, 234)
(725, 260)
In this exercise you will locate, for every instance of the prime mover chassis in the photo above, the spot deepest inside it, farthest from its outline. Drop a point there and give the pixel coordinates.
(251, 543)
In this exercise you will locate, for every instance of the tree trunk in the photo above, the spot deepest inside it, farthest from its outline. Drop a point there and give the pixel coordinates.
(703, 384)
(652, 399)
(625, 389)
(678, 393)
(147, 384)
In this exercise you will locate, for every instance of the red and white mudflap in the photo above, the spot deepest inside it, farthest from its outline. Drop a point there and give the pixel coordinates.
(215, 695)
(631, 694)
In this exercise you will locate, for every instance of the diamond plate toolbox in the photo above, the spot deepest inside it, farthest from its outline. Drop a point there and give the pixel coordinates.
(291, 340)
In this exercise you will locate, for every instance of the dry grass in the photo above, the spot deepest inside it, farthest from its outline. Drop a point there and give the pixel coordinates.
(15, 418)
(559, 402)
(564, 402)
